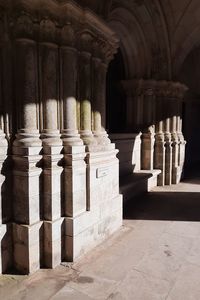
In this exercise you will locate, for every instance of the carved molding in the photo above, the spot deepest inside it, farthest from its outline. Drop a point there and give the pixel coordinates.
(62, 21)
(159, 88)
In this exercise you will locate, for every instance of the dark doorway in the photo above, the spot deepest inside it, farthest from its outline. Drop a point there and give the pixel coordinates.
(116, 98)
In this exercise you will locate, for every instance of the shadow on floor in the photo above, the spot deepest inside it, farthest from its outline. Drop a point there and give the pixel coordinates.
(166, 205)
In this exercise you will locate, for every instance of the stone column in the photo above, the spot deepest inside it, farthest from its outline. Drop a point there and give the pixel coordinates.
(85, 86)
(99, 101)
(159, 151)
(99, 67)
(168, 142)
(74, 177)
(26, 152)
(181, 139)
(3, 156)
(69, 76)
(148, 134)
(52, 144)
(175, 141)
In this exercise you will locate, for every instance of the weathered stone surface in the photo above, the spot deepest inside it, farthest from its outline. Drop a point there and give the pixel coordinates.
(26, 247)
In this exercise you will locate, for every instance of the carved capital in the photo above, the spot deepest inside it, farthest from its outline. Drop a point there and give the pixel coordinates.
(170, 89)
(22, 26)
(68, 35)
(162, 88)
(85, 40)
(47, 31)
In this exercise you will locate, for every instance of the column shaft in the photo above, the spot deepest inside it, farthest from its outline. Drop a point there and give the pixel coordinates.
(99, 101)
(175, 142)
(85, 96)
(52, 144)
(49, 92)
(148, 135)
(26, 149)
(168, 142)
(159, 152)
(68, 59)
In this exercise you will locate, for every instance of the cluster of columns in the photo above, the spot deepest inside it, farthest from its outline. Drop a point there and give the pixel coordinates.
(157, 107)
(59, 61)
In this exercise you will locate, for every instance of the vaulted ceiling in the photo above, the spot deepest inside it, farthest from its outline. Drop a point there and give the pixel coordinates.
(156, 36)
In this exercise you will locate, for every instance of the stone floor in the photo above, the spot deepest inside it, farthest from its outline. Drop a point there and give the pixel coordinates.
(155, 255)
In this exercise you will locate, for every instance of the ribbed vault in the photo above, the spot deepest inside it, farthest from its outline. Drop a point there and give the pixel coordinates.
(156, 36)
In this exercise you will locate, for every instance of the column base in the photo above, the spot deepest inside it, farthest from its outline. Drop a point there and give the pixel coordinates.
(102, 138)
(148, 142)
(26, 247)
(88, 138)
(168, 163)
(175, 167)
(159, 159)
(89, 229)
(74, 181)
(52, 243)
(176, 175)
(3, 247)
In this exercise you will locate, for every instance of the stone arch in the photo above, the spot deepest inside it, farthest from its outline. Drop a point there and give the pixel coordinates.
(190, 42)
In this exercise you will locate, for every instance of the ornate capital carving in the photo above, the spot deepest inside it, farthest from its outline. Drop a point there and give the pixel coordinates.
(47, 31)
(23, 26)
(68, 35)
(85, 40)
(162, 88)
(170, 89)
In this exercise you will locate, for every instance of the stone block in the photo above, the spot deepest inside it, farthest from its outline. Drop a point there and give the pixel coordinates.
(26, 209)
(52, 206)
(75, 191)
(159, 162)
(3, 246)
(78, 245)
(102, 178)
(147, 152)
(74, 226)
(52, 243)
(168, 164)
(90, 228)
(26, 247)
(26, 184)
(52, 193)
(52, 179)
(107, 207)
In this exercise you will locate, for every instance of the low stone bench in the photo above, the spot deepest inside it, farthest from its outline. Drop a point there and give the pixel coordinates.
(133, 181)
(132, 185)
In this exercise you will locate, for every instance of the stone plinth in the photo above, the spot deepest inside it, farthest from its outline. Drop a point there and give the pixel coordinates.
(147, 153)
(104, 206)
(26, 239)
(52, 195)
(129, 146)
(159, 158)
(26, 230)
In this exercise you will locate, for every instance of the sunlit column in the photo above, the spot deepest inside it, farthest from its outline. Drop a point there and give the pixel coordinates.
(159, 151)
(168, 142)
(49, 79)
(99, 101)
(26, 151)
(3, 156)
(175, 141)
(69, 72)
(85, 90)
(148, 134)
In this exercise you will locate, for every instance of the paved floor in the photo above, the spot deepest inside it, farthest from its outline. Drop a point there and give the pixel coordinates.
(155, 256)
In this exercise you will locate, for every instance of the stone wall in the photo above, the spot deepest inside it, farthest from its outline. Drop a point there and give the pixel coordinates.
(62, 168)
